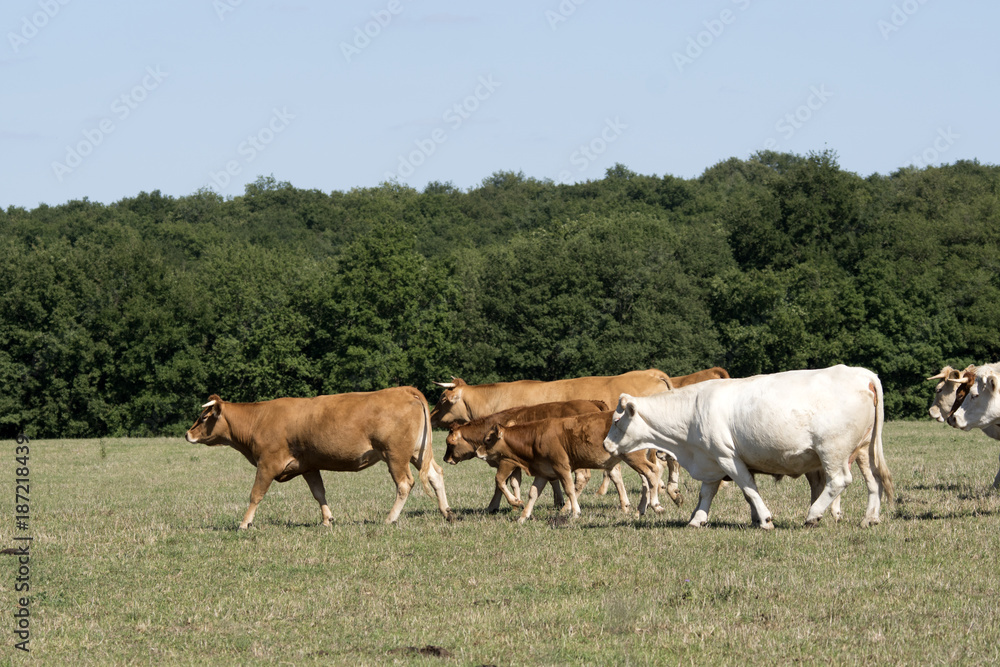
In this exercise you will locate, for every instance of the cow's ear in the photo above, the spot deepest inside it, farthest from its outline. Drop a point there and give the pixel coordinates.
(459, 382)
(630, 406)
(215, 403)
(991, 383)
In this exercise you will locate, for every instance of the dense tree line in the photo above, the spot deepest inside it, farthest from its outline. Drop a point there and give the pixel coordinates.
(120, 319)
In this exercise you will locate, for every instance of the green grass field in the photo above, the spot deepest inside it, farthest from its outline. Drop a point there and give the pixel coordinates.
(136, 559)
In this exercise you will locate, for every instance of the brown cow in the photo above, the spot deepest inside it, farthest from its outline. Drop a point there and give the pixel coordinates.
(463, 439)
(714, 373)
(461, 402)
(551, 449)
(288, 437)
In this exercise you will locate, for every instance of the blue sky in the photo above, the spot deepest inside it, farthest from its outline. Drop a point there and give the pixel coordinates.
(108, 99)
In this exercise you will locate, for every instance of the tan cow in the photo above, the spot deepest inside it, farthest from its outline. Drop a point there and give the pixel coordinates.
(463, 439)
(287, 437)
(551, 449)
(460, 402)
(714, 373)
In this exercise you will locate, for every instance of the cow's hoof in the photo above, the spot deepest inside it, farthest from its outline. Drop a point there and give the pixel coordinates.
(521, 520)
(450, 517)
(867, 523)
(659, 509)
(679, 500)
(697, 524)
(767, 524)
(812, 524)
(327, 524)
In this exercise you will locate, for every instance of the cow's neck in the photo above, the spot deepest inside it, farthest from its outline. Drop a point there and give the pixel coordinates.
(243, 419)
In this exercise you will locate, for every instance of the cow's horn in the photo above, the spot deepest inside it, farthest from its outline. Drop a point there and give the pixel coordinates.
(209, 404)
(446, 385)
(940, 375)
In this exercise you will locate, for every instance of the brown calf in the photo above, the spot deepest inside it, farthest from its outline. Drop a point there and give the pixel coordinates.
(463, 440)
(551, 449)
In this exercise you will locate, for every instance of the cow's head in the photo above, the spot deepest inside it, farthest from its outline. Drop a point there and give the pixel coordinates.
(627, 428)
(485, 450)
(450, 408)
(211, 428)
(458, 448)
(981, 406)
(952, 387)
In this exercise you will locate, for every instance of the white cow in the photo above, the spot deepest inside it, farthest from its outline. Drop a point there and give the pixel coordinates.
(950, 393)
(788, 423)
(981, 407)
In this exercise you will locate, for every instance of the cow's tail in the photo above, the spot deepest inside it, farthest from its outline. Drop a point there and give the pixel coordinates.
(878, 463)
(426, 457)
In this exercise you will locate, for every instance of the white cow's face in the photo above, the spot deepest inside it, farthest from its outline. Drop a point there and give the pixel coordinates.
(627, 428)
(982, 406)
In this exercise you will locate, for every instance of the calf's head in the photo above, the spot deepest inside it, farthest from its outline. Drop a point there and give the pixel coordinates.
(211, 428)
(458, 448)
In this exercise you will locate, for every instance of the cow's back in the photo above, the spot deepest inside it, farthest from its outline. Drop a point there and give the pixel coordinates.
(330, 432)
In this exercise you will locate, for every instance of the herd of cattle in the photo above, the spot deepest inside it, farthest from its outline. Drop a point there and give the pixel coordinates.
(815, 423)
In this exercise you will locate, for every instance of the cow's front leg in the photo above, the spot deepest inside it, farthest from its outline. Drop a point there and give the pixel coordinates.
(315, 482)
(673, 476)
(705, 497)
(261, 483)
(533, 493)
(505, 469)
(996, 480)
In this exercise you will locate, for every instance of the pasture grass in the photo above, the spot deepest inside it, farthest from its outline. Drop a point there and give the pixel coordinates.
(136, 559)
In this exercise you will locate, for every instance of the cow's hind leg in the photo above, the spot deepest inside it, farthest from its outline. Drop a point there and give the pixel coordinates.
(315, 482)
(837, 480)
(705, 496)
(874, 491)
(435, 476)
(817, 482)
(996, 480)
(616, 478)
(400, 473)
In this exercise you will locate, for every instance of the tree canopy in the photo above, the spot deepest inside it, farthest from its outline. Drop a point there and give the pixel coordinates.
(121, 319)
